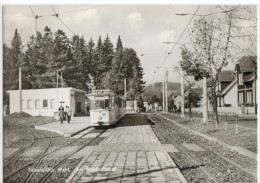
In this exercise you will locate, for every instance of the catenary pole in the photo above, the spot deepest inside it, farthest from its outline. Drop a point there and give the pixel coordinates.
(57, 88)
(205, 101)
(20, 89)
(61, 87)
(163, 92)
(125, 88)
(166, 93)
(182, 93)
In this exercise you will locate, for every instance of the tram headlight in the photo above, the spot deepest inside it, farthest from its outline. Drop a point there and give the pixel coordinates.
(100, 118)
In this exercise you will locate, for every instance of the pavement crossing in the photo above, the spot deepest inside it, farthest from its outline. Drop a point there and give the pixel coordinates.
(130, 153)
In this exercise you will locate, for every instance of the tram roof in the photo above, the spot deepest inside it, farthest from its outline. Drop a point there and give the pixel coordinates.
(102, 92)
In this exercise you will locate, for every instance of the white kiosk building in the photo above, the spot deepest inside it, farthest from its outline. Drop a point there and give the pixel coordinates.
(45, 102)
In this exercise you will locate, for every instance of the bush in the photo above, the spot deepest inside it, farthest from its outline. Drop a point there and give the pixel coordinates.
(19, 115)
(227, 105)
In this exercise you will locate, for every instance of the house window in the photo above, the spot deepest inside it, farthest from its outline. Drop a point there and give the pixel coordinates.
(249, 97)
(240, 79)
(37, 104)
(53, 103)
(29, 104)
(23, 104)
(45, 103)
(241, 98)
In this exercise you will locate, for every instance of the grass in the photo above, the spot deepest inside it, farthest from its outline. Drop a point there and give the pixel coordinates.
(27, 120)
(246, 136)
(15, 128)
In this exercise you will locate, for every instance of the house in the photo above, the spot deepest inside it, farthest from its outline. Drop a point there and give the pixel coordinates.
(45, 102)
(131, 106)
(195, 91)
(246, 78)
(226, 89)
(176, 96)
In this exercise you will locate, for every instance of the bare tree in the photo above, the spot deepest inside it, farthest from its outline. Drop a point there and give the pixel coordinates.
(214, 39)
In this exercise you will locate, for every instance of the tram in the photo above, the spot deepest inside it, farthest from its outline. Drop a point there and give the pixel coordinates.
(105, 108)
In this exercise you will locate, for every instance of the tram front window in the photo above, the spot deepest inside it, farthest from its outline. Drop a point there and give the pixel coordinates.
(99, 104)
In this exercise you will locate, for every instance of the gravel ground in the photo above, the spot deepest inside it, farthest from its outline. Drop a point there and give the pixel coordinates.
(216, 166)
(60, 174)
(58, 141)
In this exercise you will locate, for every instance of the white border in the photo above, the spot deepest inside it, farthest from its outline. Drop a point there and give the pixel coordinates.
(126, 2)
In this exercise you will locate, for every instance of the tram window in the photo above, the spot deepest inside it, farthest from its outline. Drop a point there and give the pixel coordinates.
(99, 104)
(113, 103)
(106, 103)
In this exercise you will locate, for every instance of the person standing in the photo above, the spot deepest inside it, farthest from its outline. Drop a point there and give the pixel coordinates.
(68, 113)
(61, 113)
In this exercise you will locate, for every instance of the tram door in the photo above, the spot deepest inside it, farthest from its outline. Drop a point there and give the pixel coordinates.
(78, 107)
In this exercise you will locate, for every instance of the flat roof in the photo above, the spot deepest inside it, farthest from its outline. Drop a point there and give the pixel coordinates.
(77, 90)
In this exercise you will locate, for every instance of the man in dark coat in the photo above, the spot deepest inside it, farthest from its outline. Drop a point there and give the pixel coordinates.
(68, 112)
(61, 113)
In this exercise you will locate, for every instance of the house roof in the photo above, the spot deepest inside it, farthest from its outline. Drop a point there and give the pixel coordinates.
(248, 77)
(227, 76)
(228, 88)
(196, 90)
(247, 63)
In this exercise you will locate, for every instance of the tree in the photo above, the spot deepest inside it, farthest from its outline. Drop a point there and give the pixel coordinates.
(212, 48)
(78, 64)
(99, 65)
(116, 73)
(7, 60)
(12, 59)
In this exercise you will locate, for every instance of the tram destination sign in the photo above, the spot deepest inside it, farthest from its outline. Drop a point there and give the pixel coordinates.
(101, 92)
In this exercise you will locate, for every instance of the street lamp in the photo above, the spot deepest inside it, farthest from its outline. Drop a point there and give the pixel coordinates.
(20, 86)
(165, 89)
(205, 94)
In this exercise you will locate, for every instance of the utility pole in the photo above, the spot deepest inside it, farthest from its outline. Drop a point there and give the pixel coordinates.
(20, 88)
(166, 93)
(36, 18)
(163, 95)
(205, 100)
(255, 72)
(182, 93)
(125, 88)
(57, 88)
(205, 89)
(61, 87)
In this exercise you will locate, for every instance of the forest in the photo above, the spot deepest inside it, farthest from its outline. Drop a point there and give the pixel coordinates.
(84, 65)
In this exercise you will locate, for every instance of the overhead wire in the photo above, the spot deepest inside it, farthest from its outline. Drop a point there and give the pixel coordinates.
(94, 7)
(32, 11)
(57, 15)
(181, 35)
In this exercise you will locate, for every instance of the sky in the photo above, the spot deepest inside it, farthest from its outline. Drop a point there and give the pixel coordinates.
(143, 28)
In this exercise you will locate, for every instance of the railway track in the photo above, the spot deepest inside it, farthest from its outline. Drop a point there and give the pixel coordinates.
(177, 136)
(42, 155)
(47, 175)
(39, 162)
(17, 154)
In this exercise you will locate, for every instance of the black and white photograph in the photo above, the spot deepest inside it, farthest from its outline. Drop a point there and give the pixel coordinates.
(157, 93)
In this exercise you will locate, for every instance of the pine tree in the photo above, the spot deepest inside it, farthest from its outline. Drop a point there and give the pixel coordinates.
(78, 68)
(7, 60)
(107, 57)
(12, 59)
(116, 74)
(133, 72)
(98, 64)
(108, 52)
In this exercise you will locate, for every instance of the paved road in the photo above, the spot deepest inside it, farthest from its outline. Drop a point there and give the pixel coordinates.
(130, 152)
(76, 124)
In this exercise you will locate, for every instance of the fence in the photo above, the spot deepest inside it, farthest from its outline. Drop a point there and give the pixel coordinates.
(226, 118)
